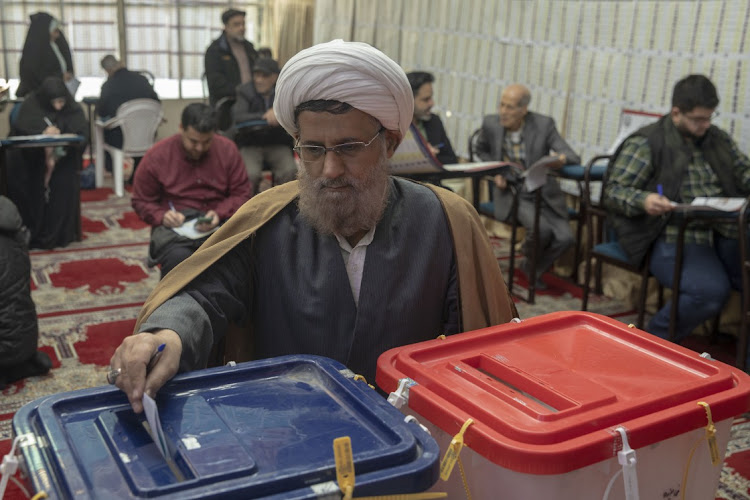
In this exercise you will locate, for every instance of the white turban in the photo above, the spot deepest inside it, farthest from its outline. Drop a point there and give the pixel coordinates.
(351, 72)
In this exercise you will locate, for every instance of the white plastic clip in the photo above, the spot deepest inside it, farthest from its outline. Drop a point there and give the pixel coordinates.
(9, 465)
(400, 396)
(707, 356)
(515, 320)
(231, 363)
(412, 418)
(627, 459)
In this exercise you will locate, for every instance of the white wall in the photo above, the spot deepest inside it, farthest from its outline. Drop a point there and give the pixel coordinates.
(584, 60)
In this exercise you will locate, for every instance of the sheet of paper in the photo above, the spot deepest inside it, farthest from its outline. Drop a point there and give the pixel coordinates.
(536, 175)
(723, 204)
(154, 428)
(187, 229)
(157, 433)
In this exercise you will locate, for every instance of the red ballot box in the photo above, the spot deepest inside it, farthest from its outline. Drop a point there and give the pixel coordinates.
(570, 405)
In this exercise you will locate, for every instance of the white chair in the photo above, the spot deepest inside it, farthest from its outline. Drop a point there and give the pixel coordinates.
(138, 119)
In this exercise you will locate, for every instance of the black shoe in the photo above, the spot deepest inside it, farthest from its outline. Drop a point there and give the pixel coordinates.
(38, 364)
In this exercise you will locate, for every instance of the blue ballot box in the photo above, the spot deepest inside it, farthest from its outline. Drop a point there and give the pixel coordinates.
(263, 429)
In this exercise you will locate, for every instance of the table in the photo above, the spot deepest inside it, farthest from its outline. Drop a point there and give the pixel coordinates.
(39, 141)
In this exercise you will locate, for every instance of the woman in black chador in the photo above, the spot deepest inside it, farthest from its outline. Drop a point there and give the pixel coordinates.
(43, 182)
(45, 53)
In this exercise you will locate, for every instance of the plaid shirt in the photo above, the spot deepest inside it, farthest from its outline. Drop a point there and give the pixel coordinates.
(632, 171)
(515, 152)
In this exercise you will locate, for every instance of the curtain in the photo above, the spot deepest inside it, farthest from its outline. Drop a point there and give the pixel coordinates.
(293, 27)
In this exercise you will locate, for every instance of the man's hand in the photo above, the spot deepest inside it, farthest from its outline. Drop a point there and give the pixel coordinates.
(134, 355)
(270, 117)
(560, 163)
(501, 182)
(51, 130)
(207, 226)
(656, 204)
(172, 218)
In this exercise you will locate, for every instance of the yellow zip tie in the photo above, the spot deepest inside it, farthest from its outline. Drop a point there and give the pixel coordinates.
(441, 337)
(711, 435)
(358, 377)
(463, 478)
(342, 454)
(451, 455)
(39, 496)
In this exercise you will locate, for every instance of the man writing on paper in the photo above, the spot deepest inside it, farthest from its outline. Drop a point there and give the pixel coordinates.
(518, 135)
(428, 123)
(332, 264)
(195, 176)
(685, 156)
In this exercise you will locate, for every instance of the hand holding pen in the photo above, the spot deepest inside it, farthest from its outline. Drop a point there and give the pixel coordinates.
(657, 203)
(51, 128)
(112, 374)
(143, 363)
(172, 218)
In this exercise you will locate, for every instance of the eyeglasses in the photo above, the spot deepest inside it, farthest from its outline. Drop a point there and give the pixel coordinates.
(313, 154)
(702, 119)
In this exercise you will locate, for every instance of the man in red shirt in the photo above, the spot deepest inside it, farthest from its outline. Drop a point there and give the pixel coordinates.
(187, 185)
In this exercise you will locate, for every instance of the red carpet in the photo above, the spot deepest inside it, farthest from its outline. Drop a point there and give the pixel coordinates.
(88, 295)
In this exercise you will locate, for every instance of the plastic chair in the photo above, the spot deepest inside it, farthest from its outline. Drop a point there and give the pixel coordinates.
(148, 75)
(138, 119)
(602, 246)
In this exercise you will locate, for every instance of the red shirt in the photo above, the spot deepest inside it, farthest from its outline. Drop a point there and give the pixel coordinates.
(218, 181)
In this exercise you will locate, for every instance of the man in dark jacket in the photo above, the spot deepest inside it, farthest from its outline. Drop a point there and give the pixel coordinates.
(428, 123)
(18, 325)
(122, 85)
(229, 59)
(262, 141)
(680, 157)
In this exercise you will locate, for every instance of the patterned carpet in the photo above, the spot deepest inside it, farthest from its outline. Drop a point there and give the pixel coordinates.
(88, 295)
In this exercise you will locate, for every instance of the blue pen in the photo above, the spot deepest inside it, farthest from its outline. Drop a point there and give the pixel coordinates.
(171, 206)
(440, 145)
(155, 357)
(660, 189)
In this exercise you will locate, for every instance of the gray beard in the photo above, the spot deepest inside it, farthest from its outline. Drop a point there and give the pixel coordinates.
(358, 208)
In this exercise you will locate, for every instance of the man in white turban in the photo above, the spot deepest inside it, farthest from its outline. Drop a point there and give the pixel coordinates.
(346, 262)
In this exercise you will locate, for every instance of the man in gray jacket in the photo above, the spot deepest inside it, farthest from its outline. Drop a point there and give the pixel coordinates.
(518, 135)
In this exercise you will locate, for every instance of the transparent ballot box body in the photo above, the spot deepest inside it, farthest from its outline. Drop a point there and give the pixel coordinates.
(263, 429)
(570, 405)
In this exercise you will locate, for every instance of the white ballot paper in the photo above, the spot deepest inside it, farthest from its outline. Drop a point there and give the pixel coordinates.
(157, 434)
(188, 230)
